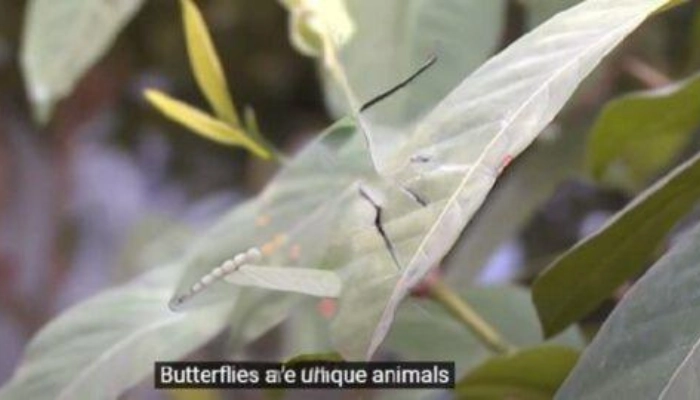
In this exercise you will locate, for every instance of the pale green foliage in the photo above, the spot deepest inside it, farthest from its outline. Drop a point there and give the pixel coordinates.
(462, 34)
(109, 343)
(55, 54)
(508, 308)
(302, 280)
(488, 119)
(312, 216)
(513, 201)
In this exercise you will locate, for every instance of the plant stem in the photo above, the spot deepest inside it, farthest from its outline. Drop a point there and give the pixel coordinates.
(253, 129)
(338, 74)
(465, 313)
(645, 73)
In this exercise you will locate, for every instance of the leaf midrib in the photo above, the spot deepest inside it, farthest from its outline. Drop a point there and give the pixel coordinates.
(453, 198)
(111, 351)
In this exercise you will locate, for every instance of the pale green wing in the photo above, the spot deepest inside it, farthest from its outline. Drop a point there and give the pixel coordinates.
(458, 150)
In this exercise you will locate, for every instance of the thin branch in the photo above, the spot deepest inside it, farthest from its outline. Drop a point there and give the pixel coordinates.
(466, 314)
(645, 73)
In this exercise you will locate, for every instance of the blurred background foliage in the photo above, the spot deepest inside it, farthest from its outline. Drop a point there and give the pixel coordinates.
(83, 196)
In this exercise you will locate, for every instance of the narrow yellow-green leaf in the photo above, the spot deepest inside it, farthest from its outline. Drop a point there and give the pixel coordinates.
(206, 65)
(202, 123)
(252, 128)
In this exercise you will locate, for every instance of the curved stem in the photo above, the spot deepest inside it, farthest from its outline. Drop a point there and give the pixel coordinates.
(465, 313)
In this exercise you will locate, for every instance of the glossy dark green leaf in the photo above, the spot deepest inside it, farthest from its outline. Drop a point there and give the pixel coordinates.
(586, 275)
(649, 347)
(639, 134)
(530, 374)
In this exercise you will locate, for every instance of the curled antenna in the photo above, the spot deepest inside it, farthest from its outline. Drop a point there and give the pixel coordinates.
(250, 256)
(429, 63)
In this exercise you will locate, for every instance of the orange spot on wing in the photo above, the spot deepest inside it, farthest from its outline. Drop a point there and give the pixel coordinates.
(327, 308)
(422, 289)
(279, 239)
(507, 160)
(268, 248)
(295, 252)
(263, 220)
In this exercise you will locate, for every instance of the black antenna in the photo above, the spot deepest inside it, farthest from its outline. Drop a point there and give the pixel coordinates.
(431, 61)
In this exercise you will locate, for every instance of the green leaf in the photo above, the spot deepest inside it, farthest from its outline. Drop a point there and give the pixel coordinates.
(420, 321)
(62, 40)
(508, 309)
(539, 11)
(694, 45)
(314, 203)
(301, 280)
(290, 219)
(202, 123)
(648, 347)
(459, 149)
(290, 222)
(105, 345)
(530, 374)
(136, 320)
(518, 194)
(206, 65)
(581, 279)
(335, 357)
(461, 33)
(639, 134)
